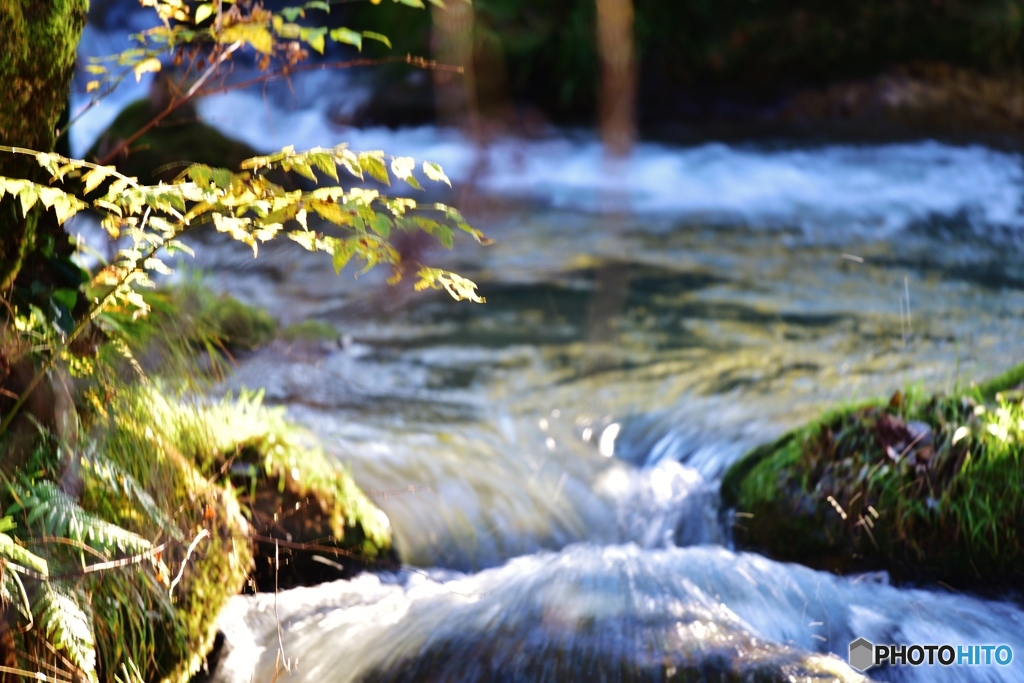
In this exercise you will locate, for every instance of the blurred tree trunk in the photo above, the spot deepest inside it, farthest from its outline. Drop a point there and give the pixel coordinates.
(38, 40)
(618, 75)
(452, 38)
(617, 123)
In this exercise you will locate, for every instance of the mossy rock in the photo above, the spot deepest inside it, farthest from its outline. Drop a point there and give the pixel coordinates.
(312, 523)
(164, 151)
(162, 469)
(925, 487)
(156, 616)
(239, 325)
(197, 316)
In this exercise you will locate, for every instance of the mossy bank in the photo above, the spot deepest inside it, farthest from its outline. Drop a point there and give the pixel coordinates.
(135, 508)
(925, 487)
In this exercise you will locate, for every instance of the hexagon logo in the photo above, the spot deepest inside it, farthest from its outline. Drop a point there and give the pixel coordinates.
(862, 654)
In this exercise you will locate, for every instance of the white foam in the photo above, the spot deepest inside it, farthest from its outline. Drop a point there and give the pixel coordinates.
(869, 187)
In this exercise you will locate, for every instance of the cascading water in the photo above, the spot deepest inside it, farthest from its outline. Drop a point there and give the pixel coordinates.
(558, 492)
(573, 485)
(594, 612)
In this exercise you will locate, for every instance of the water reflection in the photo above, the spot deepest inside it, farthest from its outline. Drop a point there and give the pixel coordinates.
(727, 335)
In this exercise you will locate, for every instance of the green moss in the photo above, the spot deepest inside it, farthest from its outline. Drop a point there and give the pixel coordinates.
(186, 452)
(192, 313)
(128, 475)
(176, 472)
(1009, 381)
(294, 491)
(40, 41)
(238, 325)
(309, 331)
(927, 487)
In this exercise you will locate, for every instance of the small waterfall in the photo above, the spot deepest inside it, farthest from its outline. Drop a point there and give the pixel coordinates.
(612, 613)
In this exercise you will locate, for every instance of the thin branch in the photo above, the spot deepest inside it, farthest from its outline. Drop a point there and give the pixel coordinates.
(123, 562)
(68, 541)
(210, 70)
(99, 566)
(93, 102)
(181, 570)
(277, 617)
(264, 78)
(31, 675)
(420, 62)
(57, 672)
(79, 328)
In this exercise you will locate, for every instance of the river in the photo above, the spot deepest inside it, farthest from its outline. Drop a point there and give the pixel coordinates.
(550, 460)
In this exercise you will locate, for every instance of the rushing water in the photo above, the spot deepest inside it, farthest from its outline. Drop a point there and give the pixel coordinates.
(560, 447)
(550, 461)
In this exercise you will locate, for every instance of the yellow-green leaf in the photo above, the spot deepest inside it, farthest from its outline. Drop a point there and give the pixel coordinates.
(373, 163)
(457, 286)
(435, 173)
(341, 253)
(145, 66)
(379, 37)
(93, 178)
(302, 167)
(348, 36)
(48, 195)
(315, 37)
(112, 224)
(267, 232)
(381, 225)
(203, 12)
(28, 196)
(66, 206)
(11, 550)
(332, 212)
(402, 166)
(306, 239)
(256, 35)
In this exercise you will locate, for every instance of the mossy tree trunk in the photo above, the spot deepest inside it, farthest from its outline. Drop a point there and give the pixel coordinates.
(36, 64)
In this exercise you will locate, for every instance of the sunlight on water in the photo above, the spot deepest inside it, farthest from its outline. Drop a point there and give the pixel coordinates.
(606, 611)
(567, 448)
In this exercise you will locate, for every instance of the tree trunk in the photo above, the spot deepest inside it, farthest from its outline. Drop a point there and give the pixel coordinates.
(38, 40)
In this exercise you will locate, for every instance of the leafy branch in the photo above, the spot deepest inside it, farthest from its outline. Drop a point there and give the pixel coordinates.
(205, 41)
(250, 208)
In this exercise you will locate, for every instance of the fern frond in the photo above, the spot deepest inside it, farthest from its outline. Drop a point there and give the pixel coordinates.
(120, 481)
(12, 592)
(66, 620)
(58, 514)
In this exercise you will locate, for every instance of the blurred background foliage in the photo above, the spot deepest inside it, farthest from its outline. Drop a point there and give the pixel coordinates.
(749, 52)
